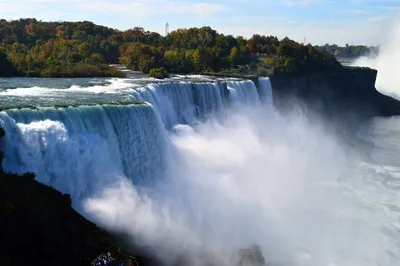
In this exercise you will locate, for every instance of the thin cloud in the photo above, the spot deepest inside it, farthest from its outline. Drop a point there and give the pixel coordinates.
(359, 11)
(147, 8)
(392, 8)
(377, 19)
(136, 8)
(302, 2)
(198, 9)
(206, 9)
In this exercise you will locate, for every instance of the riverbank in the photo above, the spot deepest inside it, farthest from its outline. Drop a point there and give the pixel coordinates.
(74, 71)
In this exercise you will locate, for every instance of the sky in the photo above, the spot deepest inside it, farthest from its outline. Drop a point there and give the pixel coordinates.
(317, 21)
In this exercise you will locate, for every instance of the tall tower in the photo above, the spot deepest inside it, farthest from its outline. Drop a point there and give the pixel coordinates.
(166, 29)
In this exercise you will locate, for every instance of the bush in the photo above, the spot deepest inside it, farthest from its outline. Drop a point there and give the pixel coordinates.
(158, 73)
(79, 70)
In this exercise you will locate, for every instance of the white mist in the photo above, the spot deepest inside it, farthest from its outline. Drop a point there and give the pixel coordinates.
(388, 80)
(283, 183)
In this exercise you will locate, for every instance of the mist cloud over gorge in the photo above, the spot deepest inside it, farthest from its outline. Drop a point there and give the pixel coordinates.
(266, 179)
(388, 80)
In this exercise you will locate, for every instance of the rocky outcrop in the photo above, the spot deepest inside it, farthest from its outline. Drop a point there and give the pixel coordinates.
(39, 227)
(251, 256)
(340, 91)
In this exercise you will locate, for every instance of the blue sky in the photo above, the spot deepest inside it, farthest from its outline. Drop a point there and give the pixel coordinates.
(318, 21)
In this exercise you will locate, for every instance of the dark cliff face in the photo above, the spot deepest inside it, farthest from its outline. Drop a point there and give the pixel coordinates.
(343, 92)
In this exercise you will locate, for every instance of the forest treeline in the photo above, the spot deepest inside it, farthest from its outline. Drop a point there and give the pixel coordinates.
(350, 50)
(29, 47)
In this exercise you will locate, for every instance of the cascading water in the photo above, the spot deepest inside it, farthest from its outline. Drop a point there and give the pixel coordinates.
(265, 91)
(73, 149)
(206, 189)
(173, 101)
(209, 99)
(186, 103)
(78, 150)
(243, 92)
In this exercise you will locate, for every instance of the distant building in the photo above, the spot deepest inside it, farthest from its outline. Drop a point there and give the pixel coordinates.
(166, 29)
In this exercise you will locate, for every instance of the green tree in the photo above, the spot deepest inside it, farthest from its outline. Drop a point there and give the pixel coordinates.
(159, 73)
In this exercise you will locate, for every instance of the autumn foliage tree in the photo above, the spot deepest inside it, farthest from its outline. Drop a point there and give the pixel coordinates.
(234, 56)
(296, 57)
(37, 48)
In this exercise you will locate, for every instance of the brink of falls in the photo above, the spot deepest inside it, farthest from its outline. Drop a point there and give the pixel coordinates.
(79, 150)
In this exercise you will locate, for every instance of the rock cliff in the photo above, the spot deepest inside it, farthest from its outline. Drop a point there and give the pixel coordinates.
(340, 91)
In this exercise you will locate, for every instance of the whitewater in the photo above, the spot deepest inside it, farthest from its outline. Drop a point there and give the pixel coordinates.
(195, 171)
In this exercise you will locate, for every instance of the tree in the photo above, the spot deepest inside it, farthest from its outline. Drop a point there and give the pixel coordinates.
(83, 48)
(234, 56)
(159, 73)
(61, 33)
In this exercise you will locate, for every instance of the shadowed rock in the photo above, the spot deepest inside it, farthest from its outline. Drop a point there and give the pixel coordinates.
(251, 256)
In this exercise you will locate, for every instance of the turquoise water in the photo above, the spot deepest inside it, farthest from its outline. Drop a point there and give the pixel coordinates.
(22, 92)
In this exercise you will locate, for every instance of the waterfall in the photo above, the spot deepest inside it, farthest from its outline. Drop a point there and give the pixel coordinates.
(76, 150)
(186, 103)
(182, 102)
(243, 93)
(173, 101)
(208, 99)
(265, 91)
(207, 190)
